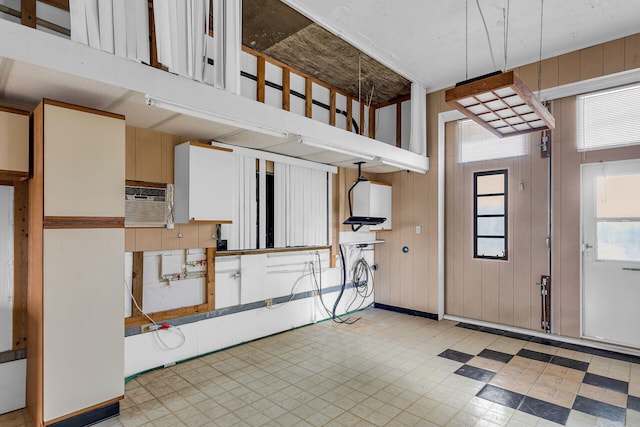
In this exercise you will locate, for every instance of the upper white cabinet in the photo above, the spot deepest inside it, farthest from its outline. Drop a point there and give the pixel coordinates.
(84, 162)
(203, 183)
(373, 199)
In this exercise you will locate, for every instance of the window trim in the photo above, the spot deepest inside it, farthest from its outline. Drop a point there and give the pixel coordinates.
(505, 173)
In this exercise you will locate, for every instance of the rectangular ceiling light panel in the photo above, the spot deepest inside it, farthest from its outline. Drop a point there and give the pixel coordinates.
(502, 104)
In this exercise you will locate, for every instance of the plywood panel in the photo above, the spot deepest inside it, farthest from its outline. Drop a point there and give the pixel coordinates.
(550, 72)
(83, 153)
(130, 240)
(632, 52)
(189, 237)
(613, 57)
(207, 236)
(148, 239)
(521, 221)
(14, 141)
(568, 68)
(591, 62)
(168, 144)
(130, 153)
(148, 155)
(92, 374)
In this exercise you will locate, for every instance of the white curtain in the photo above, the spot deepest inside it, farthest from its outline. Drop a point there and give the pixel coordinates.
(120, 27)
(242, 233)
(182, 39)
(301, 206)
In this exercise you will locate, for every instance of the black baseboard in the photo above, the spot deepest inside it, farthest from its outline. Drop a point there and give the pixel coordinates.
(406, 311)
(91, 417)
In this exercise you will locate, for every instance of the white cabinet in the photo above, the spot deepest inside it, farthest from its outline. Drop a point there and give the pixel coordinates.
(203, 183)
(373, 199)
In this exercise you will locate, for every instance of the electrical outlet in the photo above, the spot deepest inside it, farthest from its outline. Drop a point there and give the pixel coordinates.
(148, 328)
(268, 302)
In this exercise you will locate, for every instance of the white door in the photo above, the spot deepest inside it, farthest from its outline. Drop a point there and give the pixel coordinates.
(611, 252)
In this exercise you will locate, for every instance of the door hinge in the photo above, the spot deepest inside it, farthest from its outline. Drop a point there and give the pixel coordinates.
(545, 144)
(547, 242)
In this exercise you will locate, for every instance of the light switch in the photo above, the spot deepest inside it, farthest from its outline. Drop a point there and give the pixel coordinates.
(418, 229)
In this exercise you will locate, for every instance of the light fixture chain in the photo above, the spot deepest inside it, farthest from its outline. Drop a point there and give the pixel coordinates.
(486, 30)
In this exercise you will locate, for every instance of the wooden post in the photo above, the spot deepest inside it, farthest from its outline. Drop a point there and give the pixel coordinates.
(308, 101)
(261, 79)
(349, 114)
(286, 89)
(210, 279)
(21, 263)
(28, 13)
(332, 107)
(137, 282)
(372, 122)
(399, 125)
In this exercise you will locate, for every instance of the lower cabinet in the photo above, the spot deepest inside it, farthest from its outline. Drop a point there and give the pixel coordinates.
(82, 309)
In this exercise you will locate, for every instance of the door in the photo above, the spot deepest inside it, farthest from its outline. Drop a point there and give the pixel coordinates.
(611, 251)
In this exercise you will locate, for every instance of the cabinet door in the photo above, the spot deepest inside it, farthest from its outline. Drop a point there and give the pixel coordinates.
(83, 311)
(84, 163)
(148, 155)
(14, 141)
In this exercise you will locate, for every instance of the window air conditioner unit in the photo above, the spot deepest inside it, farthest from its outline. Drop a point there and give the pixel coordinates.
(148, 206)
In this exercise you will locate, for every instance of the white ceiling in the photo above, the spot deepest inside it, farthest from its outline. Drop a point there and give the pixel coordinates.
(424, 40)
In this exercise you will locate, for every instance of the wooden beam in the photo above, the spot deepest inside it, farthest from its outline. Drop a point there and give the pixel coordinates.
(332, 107)
(137, 282)
(60, 4)
(21, 263)
(28, 13)
(210, 278)
(399, 125)
(286, 89)
(308, 101)
(261, 79)
(372, 122)
(349, 114)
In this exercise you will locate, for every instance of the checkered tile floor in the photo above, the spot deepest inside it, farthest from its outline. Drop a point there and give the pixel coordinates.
(538, 380)
(388, 369)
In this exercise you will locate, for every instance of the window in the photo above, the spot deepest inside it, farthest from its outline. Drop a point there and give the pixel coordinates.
(490, 214)
(608, 119)
(475, 144)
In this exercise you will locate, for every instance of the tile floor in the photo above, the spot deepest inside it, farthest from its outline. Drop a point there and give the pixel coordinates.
(387, 369)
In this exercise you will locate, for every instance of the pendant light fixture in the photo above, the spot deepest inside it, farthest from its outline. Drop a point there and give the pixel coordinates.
(501, 102)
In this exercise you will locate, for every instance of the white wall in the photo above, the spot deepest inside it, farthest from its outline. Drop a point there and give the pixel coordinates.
(13, 383)
(279, 278)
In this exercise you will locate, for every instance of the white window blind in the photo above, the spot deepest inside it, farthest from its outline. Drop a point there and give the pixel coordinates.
(608, 119)
(242, 233)
(476, 144)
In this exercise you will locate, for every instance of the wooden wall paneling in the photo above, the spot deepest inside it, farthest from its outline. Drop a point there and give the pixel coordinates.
(613, 56)
(148, 239)
(137, 282)
(432, 203)
(549, 72)
(421, 216)
(130, 153)
(286, 89)
(591, 62)
(632, 52)
(129, 239)
(210, 277)
(521, 236)
(472, 267)
(569, 68)
(505, 268)
(308, 101)
(21, 263)
(190, 236)
(35, 361)
(395, 242)
(206, 235)
(539, 229)
(490, 290)
(171, 238)
(529, 75)
(450, 222)
(407, 233)
(148, 155)
(168, 144)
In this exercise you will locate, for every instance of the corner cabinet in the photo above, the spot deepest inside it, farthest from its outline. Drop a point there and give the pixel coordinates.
(372, 198)
(203, 177)
(75, 338)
